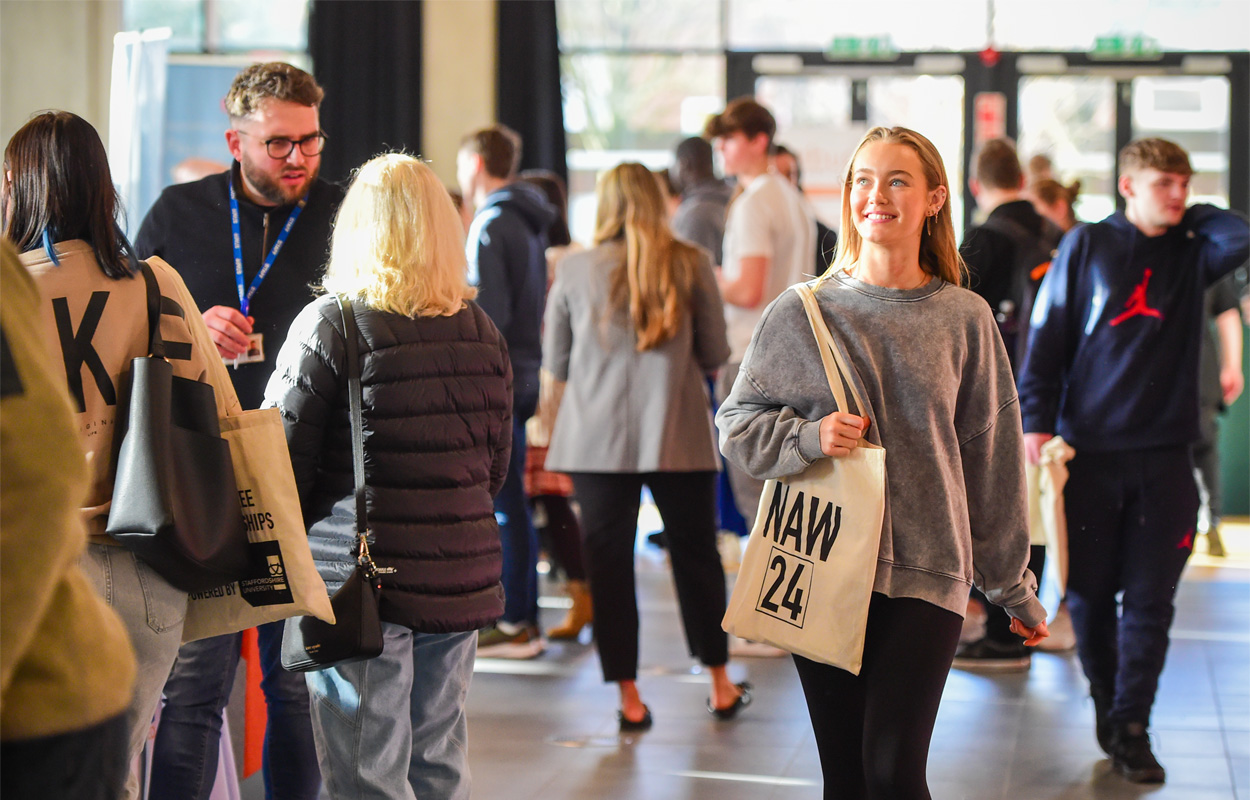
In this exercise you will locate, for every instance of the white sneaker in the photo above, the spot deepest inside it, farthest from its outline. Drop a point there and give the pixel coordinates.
(744, 648)
(729, 545)
(973, 629)
(1062, 637)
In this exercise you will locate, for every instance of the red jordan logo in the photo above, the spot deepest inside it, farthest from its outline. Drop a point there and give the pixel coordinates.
(1136, 303)
(1187, 542)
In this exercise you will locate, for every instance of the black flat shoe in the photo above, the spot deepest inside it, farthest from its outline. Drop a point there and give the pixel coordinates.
(729, 712)
(630, 726)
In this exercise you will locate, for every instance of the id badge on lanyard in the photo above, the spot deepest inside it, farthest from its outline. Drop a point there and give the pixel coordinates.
(256, 344)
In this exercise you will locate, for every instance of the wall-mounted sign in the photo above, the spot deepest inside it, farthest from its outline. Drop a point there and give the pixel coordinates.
(870, 48)
(1122, 46)
(989, 116)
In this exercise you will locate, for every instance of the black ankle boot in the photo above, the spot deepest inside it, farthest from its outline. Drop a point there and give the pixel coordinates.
(1131, 755)
(1102, 725)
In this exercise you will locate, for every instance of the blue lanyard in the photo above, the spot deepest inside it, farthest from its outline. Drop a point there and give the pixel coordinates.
(245, 300)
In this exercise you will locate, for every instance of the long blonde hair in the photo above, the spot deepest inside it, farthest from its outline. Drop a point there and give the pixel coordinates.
(657, 277)
(398, 241)
(939, 252)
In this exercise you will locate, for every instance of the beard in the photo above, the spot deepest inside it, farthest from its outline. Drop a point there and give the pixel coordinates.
(271, 189)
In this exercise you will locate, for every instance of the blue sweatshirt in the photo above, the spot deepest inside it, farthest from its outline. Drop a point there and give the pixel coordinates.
(506, 249)
(1116, 329)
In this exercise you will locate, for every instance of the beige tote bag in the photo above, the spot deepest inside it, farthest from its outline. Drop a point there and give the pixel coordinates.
(807, 575)
(284, 582)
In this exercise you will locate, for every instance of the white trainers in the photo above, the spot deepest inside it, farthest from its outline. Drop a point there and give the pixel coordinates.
(973, 629)
(525, 643)
(729, 545)
(1062, 637)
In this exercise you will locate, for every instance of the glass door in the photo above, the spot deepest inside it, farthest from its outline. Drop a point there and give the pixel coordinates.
(1193, 112)
(1071, 120)
(821, 116)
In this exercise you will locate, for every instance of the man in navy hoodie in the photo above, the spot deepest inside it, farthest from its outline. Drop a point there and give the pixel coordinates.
(506, 248)
(1112, 367)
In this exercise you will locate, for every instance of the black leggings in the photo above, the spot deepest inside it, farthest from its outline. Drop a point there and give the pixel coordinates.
(873, 729)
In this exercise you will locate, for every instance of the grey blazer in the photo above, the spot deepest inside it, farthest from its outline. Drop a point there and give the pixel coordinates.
(626, 411)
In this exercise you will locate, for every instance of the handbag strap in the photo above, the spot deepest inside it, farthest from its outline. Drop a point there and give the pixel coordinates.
(837, 371)
(354, 401)
(156, 344)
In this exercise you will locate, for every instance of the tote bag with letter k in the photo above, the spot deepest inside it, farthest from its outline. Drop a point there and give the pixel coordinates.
(807, 574)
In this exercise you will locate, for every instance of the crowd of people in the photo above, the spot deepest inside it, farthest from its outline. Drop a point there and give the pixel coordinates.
(521, 392)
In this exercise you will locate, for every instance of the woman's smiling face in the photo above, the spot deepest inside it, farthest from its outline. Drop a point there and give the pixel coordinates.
(890, 197)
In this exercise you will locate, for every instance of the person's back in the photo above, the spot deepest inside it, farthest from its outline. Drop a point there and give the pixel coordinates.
(94, 312)
(635, 330)
(431, 482)
(436, 418)
(1009, 253)
(1007, 257)
(623, 409)
(67, 669)
(506, 253)
(508, 244)
(102, 325)
(700, 217)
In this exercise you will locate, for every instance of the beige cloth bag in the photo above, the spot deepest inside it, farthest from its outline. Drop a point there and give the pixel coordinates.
(807, 574)
(285, 582)
(1048, 524)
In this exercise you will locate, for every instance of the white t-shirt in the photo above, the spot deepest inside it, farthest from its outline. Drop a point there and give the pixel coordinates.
(768, 219)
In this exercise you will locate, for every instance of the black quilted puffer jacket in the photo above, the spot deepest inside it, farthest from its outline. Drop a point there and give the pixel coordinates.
(438, 431)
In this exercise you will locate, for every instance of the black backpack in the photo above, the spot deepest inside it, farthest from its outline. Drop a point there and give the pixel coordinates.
(1033, 256)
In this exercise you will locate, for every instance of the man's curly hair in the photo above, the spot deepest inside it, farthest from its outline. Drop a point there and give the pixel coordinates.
(274, 80)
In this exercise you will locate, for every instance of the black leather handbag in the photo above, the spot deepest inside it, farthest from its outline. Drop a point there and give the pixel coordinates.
(175, 504)
(308, 644)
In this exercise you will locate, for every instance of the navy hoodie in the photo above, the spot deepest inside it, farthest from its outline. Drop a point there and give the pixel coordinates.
(506, 249)
(1116, 328)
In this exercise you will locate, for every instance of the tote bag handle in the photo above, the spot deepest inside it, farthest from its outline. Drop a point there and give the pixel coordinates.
(836, 369)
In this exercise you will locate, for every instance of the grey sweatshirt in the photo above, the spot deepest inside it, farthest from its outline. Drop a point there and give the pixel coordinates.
(932, 367)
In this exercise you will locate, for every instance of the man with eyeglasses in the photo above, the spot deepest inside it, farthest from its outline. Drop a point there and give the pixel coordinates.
(249, 242)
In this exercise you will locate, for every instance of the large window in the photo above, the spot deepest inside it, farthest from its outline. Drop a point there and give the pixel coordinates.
(224, 26)
(638, 77)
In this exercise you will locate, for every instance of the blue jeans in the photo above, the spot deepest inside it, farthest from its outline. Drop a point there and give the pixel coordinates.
(184, 759)
(368, 746)
(153, 613)
(516, 530)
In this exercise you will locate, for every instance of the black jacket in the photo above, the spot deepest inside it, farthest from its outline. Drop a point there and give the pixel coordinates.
(506, 250)
(438, 431)
(189, 227)
(1007, 258)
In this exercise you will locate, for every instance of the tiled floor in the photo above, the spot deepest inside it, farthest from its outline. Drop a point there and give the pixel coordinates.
(546, 729)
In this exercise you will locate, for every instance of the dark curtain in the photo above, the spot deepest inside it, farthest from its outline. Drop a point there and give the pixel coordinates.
(367, 57)
(528, 96)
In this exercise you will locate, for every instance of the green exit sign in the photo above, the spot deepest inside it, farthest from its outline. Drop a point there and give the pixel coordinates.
(873, 48)
(1125, 46)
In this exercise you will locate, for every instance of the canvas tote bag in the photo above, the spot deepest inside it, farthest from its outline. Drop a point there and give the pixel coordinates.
(807, 574)
(283, 581)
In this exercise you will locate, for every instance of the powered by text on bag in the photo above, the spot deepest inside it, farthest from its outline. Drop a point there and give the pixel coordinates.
(283, 581)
